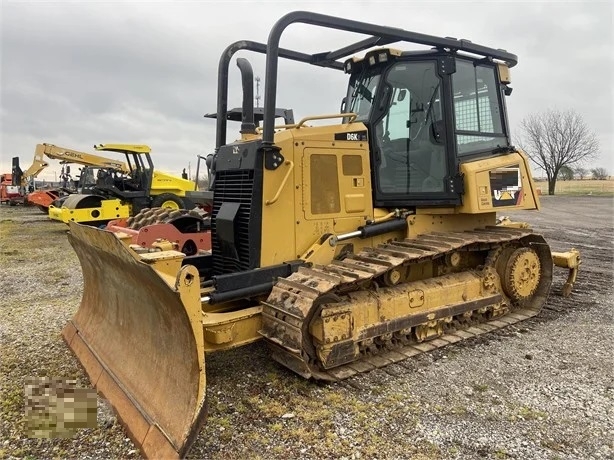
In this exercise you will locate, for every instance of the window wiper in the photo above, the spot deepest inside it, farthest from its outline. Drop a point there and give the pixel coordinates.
(431, 102)
(428, 111)
(358, 83)
(366, 93)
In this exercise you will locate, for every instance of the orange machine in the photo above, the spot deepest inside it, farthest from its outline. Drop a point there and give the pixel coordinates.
(9, 193)
(163, 229)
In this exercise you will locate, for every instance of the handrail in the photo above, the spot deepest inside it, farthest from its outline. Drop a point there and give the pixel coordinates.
(293, 125)
(351, 116)
(283, 183)
(222, 85)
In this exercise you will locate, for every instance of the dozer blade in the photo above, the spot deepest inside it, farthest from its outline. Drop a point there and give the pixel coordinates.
(138, 333)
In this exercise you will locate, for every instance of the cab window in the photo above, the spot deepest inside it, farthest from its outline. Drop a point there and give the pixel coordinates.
(410, 135)
(477, 110)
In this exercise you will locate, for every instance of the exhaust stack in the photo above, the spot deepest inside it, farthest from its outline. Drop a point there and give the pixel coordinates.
(247, 82)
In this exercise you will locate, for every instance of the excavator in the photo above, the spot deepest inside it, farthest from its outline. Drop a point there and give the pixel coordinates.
(122, 189)
(345, 241)
(44, 198)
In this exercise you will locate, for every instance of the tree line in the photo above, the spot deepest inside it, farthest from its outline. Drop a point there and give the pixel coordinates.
(567, 173)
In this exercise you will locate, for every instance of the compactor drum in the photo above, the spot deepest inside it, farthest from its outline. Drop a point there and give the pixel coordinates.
(187, 231)
(346, 246)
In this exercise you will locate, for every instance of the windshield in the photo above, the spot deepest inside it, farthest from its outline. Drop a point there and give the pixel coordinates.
(362, 94)
(87, 179)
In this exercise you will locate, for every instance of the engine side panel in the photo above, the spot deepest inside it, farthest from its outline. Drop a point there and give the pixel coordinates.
(498, 184)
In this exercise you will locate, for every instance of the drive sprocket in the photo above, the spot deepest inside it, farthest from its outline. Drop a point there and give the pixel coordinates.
(522, 275)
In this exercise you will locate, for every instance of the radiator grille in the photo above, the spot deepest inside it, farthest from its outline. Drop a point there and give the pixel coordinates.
(236, 186)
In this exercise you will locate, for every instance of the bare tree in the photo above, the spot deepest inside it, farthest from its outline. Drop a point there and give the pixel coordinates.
(599, 173)
(554, 138)
(581, 172)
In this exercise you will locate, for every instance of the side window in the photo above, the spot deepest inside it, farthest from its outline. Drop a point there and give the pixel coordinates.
(477, 113)
(363, 93)
(412, 152)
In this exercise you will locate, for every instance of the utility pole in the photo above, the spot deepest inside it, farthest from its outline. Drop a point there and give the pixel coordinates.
(189, 170)
(257, 91)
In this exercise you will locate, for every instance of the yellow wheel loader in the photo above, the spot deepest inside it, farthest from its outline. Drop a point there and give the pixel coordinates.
(123, 190)
(346, 246)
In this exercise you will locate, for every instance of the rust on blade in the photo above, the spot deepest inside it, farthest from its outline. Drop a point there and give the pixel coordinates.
(138, 333)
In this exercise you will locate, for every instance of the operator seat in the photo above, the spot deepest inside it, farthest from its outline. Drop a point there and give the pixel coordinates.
(104, 179)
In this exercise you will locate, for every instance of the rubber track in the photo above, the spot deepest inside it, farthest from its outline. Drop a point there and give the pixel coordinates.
(303, 288)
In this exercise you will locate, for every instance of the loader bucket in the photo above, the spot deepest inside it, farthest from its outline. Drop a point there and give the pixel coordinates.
(140, 346)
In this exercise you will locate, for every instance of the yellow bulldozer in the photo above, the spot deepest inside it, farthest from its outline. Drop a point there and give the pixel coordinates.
(122, 189)
(346, 246)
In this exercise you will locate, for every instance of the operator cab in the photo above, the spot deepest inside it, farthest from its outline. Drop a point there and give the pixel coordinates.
(137, 183)
(426, 111)
(87, 179)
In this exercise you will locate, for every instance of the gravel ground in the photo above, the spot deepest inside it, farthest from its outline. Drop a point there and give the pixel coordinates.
(540, 389)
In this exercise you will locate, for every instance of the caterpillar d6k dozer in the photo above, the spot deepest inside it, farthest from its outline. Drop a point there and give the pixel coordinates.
(345, 246)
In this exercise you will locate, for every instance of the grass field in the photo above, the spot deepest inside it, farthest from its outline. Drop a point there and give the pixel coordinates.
(579, 187)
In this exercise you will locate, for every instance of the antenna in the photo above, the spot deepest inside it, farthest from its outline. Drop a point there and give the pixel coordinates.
(257, 91)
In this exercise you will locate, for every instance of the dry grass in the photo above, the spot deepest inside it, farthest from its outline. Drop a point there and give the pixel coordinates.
(579, 187)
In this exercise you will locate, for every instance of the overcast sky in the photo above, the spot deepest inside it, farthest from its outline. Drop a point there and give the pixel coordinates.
(79, 73)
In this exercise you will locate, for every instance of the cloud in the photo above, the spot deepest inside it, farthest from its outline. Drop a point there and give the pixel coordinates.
(79, 73)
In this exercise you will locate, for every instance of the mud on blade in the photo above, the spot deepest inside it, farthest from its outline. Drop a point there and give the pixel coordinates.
(140, 347)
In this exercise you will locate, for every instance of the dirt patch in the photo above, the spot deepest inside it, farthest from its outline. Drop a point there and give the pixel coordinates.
(539, 389)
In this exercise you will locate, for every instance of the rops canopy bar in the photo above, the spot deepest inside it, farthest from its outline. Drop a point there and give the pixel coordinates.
(380, 35)
(222, 80)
